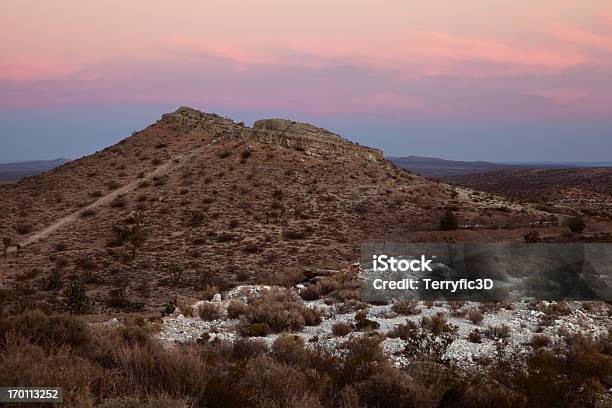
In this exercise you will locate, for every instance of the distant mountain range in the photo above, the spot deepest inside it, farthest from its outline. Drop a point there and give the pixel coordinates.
(440, 168)
(13, 172)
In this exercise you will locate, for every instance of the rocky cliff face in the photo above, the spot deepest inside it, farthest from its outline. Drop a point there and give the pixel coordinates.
(286, 133)
(310, 139)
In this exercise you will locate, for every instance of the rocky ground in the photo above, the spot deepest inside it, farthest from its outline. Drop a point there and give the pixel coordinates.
(524, 321)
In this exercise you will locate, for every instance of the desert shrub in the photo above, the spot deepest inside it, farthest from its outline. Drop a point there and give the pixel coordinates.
(88, 212)
(222, 154)
(590, 358)
(311, 316)
(404, 331)
(113, 184)
(76, 299)
(209, 311)
(236, 308)
(225, 237)
(86, 262)
(256, 329)
(174, 273)
(475, 316)
(289, 348)
(118, 202)
(248, 348)
(310, 292)
(437, 324)
(156, 161)
(448, 221)
(168, 309)
(456, 308)
(554, 309)
(59, 247)
(361, 208)
(475, 336)
(532, 237)
(341, 329)
(281, 310)
(96, 193)
(49, 331)
(6, 242)
(52, 281)
(539, 341)
(251, 248)
(209, 291)
(405, 308)
(389, 387)
(498, 332)
(246, 153)
(194, 217)
(342, 286)
(363, 323)
(185, 304)
(576, 224)
(161, 145)
(125, 304)
(23, 228)
(294, 234)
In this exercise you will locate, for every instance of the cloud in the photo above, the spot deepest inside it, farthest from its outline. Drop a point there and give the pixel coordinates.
(561, 96)
(570, 34)
(32, 69)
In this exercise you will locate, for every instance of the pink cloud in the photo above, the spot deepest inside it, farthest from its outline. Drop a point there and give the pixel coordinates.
(29, 70)
(561, 96)
(606, 16)
(581, 37)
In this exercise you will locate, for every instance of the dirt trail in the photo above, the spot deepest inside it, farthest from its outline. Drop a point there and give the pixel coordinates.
(172, 164)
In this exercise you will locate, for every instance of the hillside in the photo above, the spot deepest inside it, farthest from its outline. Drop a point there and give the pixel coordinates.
(12, 172)
(223, 204)
(587, 190)
(438, 168)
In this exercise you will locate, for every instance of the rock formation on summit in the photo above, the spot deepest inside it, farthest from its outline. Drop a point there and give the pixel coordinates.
(304, 137)
(308, 138)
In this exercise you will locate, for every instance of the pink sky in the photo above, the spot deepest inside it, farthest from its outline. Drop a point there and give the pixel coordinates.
(397, 58)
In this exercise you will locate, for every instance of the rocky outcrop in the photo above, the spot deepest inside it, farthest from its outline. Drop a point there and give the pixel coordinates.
(189, 120)
(286, 133)
(310, 139)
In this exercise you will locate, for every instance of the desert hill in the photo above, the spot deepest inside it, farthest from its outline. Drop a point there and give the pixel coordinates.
(586, 190)
(220, 204)
(438, 168)
(12, 172)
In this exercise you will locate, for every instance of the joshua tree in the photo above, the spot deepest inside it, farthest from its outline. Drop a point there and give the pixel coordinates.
(136, 235)
(7, 243)
(131, 232)
(175, 273)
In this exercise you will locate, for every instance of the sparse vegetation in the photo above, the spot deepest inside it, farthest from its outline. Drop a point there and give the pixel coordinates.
(341, 329)
(194, 217)
(209, 311)
(448, 222)
(576, 224)
(280, 310)
(76, 299)
(532, 237)
(405, 308)
(6, 242)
